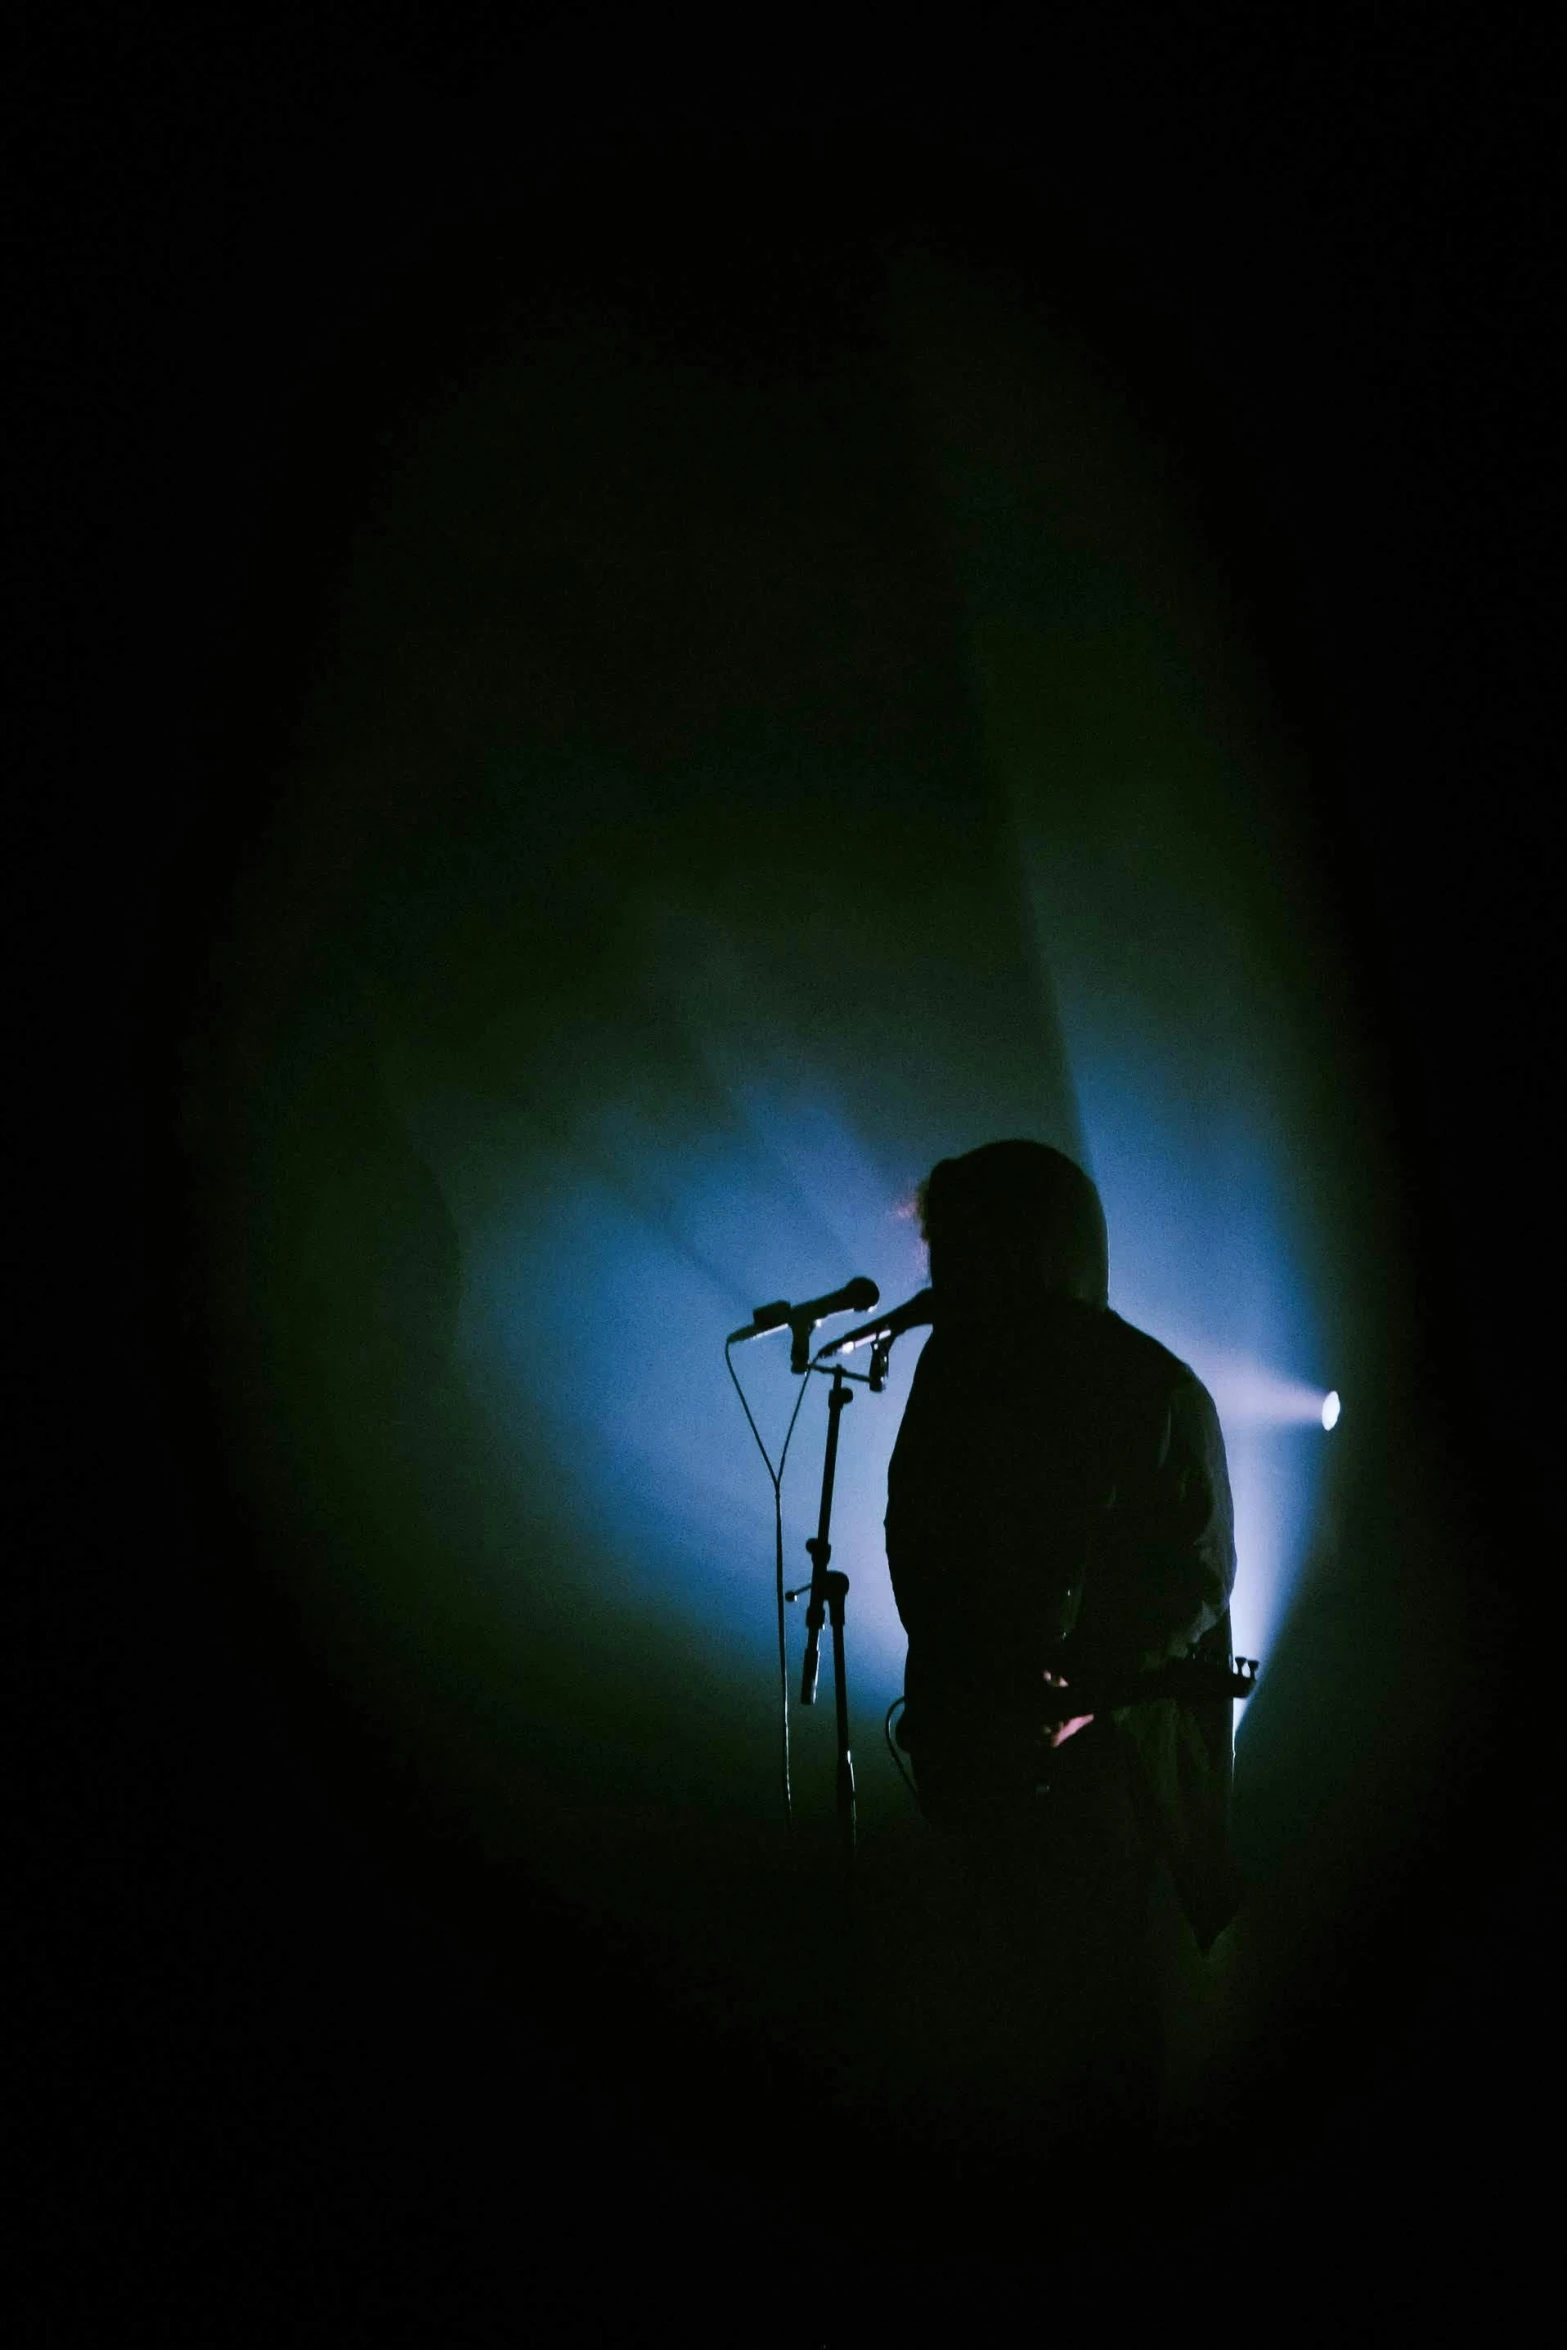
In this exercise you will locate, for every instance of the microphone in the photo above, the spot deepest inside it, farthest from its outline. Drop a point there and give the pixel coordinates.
(911, 1315)
(855, 1297)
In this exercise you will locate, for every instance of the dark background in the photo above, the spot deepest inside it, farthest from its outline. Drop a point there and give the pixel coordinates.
(287, 2079)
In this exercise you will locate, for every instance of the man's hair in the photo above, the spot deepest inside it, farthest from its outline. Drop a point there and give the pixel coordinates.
(1010, 1198)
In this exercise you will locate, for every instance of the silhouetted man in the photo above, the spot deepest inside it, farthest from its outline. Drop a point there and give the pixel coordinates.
(1058, 1514)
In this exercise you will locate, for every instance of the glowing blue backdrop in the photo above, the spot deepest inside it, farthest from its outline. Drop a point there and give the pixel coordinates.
(726, 804)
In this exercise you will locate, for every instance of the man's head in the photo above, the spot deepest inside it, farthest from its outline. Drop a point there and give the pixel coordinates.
(1010, 1217)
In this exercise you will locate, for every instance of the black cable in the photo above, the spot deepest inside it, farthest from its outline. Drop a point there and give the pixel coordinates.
(892, 1746)
(775, 1476)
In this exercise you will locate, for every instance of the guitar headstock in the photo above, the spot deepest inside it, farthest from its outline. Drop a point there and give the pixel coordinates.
(1200, 1677)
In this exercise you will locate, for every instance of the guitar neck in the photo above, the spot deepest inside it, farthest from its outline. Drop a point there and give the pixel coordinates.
(1191, 1680)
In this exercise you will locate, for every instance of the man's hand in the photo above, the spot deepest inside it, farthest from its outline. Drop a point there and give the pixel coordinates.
(1062, 1731)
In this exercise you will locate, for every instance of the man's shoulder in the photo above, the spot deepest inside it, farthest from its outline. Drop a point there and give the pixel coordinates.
(1089, 1344)
(1143, 1358)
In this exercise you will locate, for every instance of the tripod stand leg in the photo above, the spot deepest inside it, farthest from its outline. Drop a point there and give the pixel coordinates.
(837, 1593)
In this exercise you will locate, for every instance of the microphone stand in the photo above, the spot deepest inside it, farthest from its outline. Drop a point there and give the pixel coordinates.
(828, 1589)
(825, 1595)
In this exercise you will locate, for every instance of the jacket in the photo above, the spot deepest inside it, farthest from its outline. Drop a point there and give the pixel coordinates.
(1058, 1500)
